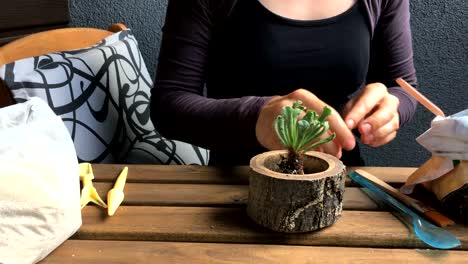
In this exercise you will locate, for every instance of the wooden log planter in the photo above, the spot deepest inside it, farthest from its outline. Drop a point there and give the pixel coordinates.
(296, 203)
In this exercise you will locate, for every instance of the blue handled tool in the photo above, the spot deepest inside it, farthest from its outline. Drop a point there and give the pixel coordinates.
(430, 234)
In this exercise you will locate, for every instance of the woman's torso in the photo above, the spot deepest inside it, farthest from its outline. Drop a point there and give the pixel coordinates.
(258, 52)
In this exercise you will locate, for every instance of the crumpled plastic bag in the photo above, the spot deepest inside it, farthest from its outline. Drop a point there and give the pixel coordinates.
(448, 136)
(39, 190)
(447, 140)
(445, 174)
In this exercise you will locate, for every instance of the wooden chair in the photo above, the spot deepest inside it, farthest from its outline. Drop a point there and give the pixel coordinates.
(50, 41)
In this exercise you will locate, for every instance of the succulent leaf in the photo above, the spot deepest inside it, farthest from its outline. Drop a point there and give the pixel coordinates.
(298, 134)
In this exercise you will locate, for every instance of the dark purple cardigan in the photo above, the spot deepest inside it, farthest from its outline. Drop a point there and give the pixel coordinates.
(180, 111)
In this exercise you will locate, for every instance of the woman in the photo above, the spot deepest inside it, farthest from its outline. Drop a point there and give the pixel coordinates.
(255, 56)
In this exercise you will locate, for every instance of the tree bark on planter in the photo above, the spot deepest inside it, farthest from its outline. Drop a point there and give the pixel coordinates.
(296, 203)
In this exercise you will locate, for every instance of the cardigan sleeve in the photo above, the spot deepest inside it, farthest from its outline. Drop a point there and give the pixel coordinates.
(179, 109)
(392, 54)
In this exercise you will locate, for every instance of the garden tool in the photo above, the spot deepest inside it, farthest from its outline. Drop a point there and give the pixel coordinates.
(446, 172)
(430, 234)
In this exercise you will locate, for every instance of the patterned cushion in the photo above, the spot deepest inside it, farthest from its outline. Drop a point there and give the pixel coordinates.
(102, 93)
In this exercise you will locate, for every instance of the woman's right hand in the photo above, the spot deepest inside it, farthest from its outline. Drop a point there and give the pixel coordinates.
(266, 135)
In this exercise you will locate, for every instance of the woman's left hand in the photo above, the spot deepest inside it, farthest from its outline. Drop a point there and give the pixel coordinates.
(375, 113)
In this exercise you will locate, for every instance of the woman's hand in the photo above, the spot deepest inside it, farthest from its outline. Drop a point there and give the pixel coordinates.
(265, 122)
(375, 113)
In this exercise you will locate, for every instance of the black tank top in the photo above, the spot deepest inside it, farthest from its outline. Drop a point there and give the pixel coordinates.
(260, 53)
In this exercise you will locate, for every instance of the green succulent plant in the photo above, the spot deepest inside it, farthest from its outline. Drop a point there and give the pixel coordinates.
(299, 135)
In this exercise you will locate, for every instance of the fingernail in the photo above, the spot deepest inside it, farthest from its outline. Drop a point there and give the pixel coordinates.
(366, 128)
(367, 138)
(350, 123)
(339, 154)
(350, 144)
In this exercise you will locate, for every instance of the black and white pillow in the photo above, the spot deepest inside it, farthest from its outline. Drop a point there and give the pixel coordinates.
(102, 93)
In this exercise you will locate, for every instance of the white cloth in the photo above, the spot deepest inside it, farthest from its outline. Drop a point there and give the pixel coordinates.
(448, 136)
(39, 190)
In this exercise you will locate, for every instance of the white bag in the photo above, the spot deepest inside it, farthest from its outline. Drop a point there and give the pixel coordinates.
(448, 136)
(39, 183)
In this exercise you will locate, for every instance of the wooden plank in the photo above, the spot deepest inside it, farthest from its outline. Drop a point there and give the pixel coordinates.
(173, 174)
(232, 225)
(86, 251)
(210, 195)
(214, 175)
(27, 13)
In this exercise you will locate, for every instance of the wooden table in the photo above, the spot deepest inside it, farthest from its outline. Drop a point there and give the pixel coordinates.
(194, 214)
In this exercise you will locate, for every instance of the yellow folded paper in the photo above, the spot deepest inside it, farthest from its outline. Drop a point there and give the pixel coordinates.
(89, 193)
(115, 196)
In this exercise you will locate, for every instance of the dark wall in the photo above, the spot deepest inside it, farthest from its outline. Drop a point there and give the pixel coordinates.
(144, 17)
(440, 40)
(440, 33)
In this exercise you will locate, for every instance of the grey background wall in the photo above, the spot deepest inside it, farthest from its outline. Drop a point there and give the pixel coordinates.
(440, 35)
